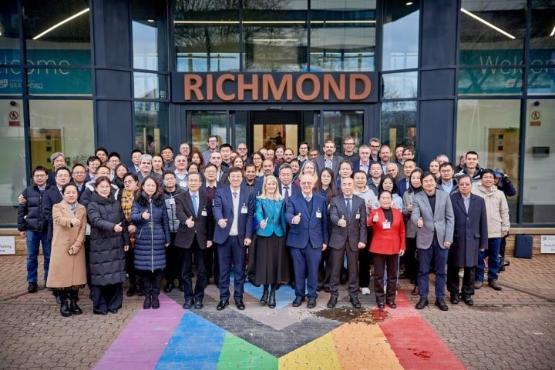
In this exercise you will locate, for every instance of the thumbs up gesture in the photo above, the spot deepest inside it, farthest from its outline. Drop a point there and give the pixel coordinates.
(190, 222)
(420, 222)
(146, 215)
(118, 228)
(263, 223)
(296, 219)
(222, 223)
(375, 218)
(342, 222)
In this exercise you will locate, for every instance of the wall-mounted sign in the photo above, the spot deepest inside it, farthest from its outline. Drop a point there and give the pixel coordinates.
(547, 244)
(7, 244)
(283, 87)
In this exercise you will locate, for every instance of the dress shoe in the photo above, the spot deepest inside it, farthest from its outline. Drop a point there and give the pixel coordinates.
(440, 303)
(272, 299)
(298, 301)
(494, 285)
(222, 305)
(423, 302)
(131, 291)
(148, 302)
(311, 303)
(381, 306)
(355, 302)
(468, 300)
(113, 310)
(64, 308)
(327, 289)
(454, 299)
(198, 304)
(32, 288)
(155, 302)
(415, 290)
(392, 304)
(478, 284)
(140, 293)
(169, 287)
(239, 303)
(73, 307)
(188, 303)
(98, 312)
(332, 302)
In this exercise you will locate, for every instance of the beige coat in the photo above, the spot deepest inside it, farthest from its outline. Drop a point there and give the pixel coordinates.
(497, 210)
(67, 270)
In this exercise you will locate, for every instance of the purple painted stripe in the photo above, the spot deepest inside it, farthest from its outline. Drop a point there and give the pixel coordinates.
(141, 343)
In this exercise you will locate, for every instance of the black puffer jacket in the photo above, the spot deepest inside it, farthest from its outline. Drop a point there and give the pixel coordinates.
(35, 214)
(107, 258)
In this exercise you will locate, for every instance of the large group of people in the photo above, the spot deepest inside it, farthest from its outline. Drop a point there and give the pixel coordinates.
(311, 220)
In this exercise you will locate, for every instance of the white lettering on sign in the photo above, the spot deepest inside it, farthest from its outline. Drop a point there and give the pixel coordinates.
(7, 245)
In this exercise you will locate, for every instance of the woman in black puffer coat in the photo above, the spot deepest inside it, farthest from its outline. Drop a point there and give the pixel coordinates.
(153, 236)
(108, 241)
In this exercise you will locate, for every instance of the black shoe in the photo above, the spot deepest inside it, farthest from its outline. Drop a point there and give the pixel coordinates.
(264, 298)
(332, 302)
(73, 307)
(454, 299)
(169, 287)
(272, 299)
(188, 303)
(298, 301)
(113, 310)
(148, 302)
(327, 289)
(381, 306)
(468, 300)
(392, 304)
(440, 303)
(319, 288)
(253, 282)
(97, 312)
(222, 305)
(140, 293)
(57, 296)
(155, 302)
(198, 304)
(355, 302)
(311, 303)
(415, 290)
(32, 288)
(64, 308)
(423, 302)
(493, 284)
(239, 303)
(131, 291)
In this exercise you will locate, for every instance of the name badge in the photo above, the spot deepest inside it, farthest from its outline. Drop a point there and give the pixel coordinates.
(386, 225)
(318, 214)
(171, 201)
(357, 217)
(204, 213)
(244, 210)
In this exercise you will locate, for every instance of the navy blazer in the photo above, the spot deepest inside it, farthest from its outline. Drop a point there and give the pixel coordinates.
(311, 229)
(223, 209)
(402, 186)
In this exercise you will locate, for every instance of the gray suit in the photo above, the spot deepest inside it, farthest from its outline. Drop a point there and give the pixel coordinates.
(345, 240)
(441, 219)
(321, 164)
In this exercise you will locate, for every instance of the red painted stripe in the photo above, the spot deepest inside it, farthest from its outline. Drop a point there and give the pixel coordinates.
(414, 341)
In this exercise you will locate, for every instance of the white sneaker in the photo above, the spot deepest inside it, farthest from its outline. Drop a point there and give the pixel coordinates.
(365, 291)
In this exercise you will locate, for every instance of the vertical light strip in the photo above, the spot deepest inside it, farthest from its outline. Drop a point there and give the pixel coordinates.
(61, 23)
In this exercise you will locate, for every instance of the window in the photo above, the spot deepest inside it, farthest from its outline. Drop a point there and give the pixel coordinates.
(207, 123)
(339, 124)
(343, 35)
(12, 167)
(400, 85)
(151, 126)
(400, 34)
(150, 86)
(398, 123)
(9, 37)
(61, 126)
(492, 129)
(541, 75)
(539, 178)
(149, 35)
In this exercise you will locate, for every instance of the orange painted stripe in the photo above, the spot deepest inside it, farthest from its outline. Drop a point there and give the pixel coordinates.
(414, 341)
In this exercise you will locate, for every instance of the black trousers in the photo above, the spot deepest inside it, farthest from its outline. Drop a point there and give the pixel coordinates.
(107, 297)
(411, 263)
(381, 262)
(251, 259)
(364, 261)
(130, 267)
(212, 264)
(199, 256)
(324, 269)
(336, 261)
(453, 280)
(151, 282)
(173, 265)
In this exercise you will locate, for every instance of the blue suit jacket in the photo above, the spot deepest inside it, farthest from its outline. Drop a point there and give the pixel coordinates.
(223, 208)
(402, 187)
(311, 228)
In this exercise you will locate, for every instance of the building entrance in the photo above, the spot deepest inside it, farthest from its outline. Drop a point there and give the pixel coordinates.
(272, 129)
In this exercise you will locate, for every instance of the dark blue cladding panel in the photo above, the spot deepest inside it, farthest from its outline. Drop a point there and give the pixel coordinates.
(439, 33)
(115, 126)
(436, 130)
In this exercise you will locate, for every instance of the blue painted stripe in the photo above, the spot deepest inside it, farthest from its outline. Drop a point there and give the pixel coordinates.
(284, 295)
(195, 344)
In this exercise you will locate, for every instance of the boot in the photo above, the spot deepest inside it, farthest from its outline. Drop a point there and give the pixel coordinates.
(132, 290)
(73, 307)
(148, 302)
(64, 305)
(272, 300)
(264, 297)
(155, 302)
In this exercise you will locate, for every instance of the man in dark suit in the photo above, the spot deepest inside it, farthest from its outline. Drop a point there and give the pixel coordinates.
(348, 235)
(409, 165)
(471, 237)
(232, 234)
(329, 159)
(308, 237)
(194, 236)
(286, 186)
(363, 162)
(136, 155)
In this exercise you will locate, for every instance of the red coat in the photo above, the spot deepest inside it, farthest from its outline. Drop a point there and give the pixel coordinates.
(387, 241)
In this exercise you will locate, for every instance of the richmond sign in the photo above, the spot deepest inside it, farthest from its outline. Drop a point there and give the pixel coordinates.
(333, 87)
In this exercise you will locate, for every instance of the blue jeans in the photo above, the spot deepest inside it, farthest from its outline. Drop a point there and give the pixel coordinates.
(34, 238)
(494, 262)
(436, 256)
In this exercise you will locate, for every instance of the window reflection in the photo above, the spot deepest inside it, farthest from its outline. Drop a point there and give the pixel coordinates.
(398, 123)
(151, 126)
(207, 123)
(400, 34)
(400, 85)
(339, 124)
(149, 35)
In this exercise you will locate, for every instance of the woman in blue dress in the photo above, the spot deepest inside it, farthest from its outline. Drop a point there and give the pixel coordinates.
(272, 261)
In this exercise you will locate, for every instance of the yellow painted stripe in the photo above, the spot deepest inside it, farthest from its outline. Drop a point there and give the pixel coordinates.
(319, 354)
(363, 346)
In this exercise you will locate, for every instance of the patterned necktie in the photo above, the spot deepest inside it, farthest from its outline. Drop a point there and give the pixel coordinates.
(286, 193)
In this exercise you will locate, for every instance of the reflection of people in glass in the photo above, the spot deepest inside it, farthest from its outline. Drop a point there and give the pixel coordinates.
(278, 139)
